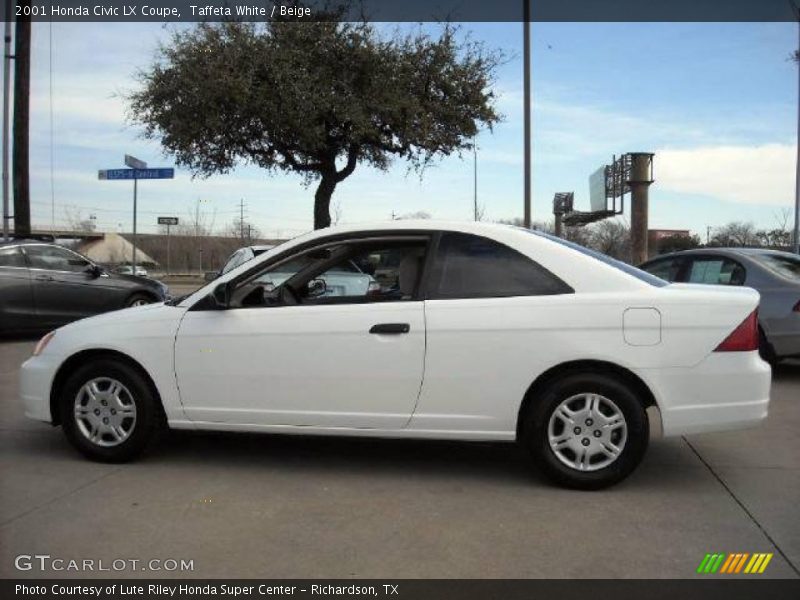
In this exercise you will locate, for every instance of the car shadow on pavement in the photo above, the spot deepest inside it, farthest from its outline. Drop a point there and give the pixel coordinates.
(786, 370)
(493, 463)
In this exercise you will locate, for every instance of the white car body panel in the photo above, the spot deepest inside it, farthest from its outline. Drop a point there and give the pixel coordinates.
(462, 371)
(301, 365)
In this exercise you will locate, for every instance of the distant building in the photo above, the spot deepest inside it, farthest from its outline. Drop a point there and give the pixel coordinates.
(655, 235)
(113, 249)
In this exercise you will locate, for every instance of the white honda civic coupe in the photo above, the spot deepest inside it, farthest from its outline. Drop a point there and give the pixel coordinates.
(478, 332)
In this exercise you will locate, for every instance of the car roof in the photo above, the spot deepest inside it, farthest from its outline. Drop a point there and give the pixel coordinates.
(26, 242)
(721, 251)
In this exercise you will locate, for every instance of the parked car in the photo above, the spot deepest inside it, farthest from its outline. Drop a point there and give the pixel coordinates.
(774, 274)
(43, 286)
(241, 256)
(492, 333)
(128, 270)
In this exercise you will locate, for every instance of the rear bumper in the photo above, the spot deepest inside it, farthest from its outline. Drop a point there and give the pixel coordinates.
(785, 344)
(728, 390)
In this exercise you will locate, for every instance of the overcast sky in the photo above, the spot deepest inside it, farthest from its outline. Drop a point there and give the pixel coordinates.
(716, 102)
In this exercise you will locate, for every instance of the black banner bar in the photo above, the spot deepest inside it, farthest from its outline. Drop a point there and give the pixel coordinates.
(409, 10)
(713, 588)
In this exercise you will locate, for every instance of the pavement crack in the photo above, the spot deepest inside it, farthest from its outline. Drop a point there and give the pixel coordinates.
(59, 497)
(742, 506)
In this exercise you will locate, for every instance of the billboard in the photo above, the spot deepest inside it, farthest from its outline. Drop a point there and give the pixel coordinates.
(597, 190)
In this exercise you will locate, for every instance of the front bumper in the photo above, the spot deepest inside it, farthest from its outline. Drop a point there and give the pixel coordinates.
(728, 390)
(36, 380)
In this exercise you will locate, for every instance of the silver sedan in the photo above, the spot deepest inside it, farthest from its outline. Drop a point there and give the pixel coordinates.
(774, 274)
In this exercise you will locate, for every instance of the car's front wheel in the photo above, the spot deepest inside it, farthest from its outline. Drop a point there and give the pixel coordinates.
(139, 300)
(109, 411)
(587, 431)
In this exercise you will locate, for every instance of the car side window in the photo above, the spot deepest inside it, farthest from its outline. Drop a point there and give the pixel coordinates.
(716, 270)
(54, 258)
(11, 257)
(470, 266)
(353, 278)
(665, 268)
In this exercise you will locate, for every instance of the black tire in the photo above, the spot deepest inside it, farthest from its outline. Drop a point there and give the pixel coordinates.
(149, 416)
(541, 409)
(139, 299)
(765, 349)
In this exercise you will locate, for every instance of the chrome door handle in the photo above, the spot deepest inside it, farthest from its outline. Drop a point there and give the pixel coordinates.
(43, 278)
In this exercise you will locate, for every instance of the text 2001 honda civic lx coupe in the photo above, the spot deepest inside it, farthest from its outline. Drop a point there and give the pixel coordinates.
(478, 332)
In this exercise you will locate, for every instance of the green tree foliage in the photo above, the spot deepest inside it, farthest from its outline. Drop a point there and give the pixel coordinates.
(315, 98)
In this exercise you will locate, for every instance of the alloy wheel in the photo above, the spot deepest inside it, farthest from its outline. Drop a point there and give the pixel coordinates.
(105, 412)
(587, 432)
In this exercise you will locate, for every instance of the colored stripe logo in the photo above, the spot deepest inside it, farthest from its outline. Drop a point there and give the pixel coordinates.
(735, 563)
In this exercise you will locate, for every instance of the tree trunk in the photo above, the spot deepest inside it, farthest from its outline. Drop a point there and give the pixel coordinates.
(322, 201)
(20, 133)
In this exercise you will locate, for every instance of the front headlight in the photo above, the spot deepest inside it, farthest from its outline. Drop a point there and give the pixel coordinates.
(43, 343)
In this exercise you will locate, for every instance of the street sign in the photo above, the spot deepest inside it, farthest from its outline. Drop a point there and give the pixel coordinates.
(137, 171)
(122, 174)
(134, 163)
(167, 220)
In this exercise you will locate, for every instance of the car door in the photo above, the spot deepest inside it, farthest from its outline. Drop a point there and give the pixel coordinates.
(319, 360)
(17, 311)
(63, 289)
(493, 319)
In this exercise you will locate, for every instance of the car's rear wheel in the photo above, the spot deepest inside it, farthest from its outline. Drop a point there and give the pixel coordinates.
(765, 349)
(587, 431)
(139, 300)
(109, 411)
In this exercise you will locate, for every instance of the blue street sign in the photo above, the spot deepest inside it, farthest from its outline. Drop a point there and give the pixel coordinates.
(136, 174)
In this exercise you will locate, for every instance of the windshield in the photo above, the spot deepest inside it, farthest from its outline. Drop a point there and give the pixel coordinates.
(785, 265)
(613, 262)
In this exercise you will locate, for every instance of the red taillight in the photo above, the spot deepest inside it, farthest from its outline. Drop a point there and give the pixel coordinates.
(744, 338)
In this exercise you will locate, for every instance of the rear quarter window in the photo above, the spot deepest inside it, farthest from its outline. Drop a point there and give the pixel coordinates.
(612, 262)
(471, 266)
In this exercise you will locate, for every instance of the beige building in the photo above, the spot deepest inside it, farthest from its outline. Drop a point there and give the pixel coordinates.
(113, 249)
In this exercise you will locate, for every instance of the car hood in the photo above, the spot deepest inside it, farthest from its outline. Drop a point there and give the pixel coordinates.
(137, 279)
(148, 312)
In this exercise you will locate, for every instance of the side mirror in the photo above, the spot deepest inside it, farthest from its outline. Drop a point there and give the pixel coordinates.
(221, 295)
(94, 270)
(317, 288)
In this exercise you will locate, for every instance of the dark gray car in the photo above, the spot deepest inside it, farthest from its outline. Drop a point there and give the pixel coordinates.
(43, 286)
(774, 274)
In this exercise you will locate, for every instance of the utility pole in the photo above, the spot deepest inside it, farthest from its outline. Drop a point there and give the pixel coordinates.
(6, 116)
(526, 17)
(475, 181)
(241, 220)
(796, 233)
(641, 178)
(22, 91)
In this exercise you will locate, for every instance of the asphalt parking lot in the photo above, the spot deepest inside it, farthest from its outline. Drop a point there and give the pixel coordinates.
(281, 506)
